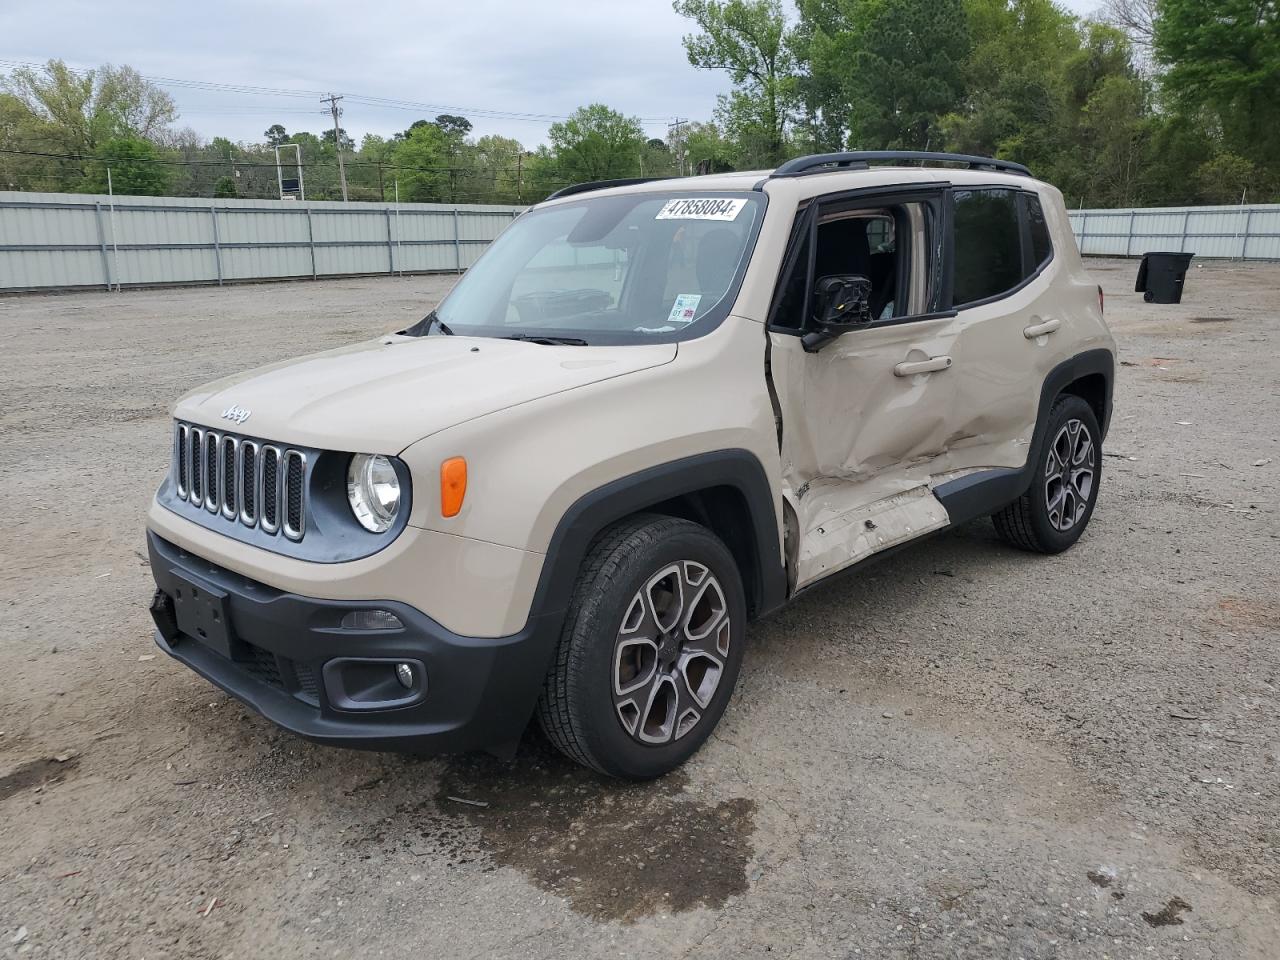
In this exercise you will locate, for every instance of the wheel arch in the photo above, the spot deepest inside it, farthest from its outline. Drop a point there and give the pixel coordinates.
(1088, 375)
(727, 491)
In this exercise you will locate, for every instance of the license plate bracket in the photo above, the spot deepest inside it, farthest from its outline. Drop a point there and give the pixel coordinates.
(202, 613)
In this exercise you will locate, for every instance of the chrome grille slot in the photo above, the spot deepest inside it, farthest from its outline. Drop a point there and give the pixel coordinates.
(210, 454)
(181, 470)
(270, 521)
(295, 468)
(229, 494)
(242, 480)
(247, 482)
(195, 464)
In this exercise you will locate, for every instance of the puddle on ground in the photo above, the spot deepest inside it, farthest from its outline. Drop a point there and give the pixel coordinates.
(1168, 914)
(615, 851)
(34, 773)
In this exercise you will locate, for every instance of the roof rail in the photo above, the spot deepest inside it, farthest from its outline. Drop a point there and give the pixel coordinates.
(600, 185)
(862, 160)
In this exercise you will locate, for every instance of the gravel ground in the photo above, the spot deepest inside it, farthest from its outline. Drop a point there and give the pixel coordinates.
(964, 752)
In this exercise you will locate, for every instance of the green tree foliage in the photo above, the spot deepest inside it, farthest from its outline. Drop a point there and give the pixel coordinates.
(225, 187)
(276, 135)
(1223, 58)
(421, 162)
(1227, 178)
(134, 167)
(596, 143)
(453, 126)
(82, 111)
(707, 149)
(748, 40)
(890, 69)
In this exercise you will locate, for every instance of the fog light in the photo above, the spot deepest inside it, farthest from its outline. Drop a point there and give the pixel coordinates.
(371, 620)
(404, 673)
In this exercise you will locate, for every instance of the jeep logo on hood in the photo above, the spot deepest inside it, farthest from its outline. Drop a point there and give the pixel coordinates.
(238, 414)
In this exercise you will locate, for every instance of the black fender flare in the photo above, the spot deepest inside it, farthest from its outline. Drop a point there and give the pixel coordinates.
(738, 469)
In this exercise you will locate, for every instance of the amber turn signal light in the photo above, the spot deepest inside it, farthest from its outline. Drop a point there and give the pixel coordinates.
(453, 485)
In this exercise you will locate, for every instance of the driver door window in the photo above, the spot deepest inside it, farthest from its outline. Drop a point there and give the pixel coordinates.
(895, 247)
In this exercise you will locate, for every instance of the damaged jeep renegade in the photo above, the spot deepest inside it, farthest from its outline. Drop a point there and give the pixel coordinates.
(651, 412)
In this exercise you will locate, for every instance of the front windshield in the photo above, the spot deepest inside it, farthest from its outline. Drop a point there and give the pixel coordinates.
(633, 268)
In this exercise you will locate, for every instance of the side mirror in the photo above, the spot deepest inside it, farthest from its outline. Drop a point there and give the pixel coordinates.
(841, 303)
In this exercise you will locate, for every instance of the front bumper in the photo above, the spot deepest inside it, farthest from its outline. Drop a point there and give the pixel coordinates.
(479, 692)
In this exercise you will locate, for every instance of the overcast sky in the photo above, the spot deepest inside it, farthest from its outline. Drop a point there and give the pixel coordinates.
(467, 56)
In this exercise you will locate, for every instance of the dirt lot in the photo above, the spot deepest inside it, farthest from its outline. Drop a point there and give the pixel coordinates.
(964, 752)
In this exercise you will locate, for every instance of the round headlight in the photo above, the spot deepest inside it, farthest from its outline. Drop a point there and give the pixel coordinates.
(373, 490)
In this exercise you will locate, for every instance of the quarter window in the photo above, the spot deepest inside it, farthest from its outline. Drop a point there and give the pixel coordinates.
(1041, 245)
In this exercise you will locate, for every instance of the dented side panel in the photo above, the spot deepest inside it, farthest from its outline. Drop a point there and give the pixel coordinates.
(863, 448)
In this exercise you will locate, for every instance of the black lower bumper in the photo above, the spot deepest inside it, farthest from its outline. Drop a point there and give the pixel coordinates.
(284, 655)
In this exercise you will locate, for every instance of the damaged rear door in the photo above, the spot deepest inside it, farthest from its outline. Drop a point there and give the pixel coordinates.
(867, 418)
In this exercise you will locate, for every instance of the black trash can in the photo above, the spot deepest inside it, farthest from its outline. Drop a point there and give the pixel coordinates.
(1161, 276)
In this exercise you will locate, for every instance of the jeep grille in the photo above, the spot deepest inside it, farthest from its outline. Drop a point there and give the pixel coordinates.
(241, 479)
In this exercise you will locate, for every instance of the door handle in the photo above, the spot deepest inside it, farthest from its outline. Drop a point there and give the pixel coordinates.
(909, 368)
(1041, 329)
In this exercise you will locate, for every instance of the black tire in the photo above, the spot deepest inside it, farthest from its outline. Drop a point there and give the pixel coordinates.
(579, 708)
(1029, 522)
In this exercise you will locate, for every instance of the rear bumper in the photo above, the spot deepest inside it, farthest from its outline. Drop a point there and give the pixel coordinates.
(479, 692)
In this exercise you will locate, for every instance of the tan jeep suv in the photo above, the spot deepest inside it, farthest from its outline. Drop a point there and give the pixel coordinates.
(651, 412)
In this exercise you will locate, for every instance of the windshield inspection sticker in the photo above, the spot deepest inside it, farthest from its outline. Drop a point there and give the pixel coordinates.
(706, 208)
(684, 309)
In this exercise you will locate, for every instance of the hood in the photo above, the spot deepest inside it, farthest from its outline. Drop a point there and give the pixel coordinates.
(382, 395)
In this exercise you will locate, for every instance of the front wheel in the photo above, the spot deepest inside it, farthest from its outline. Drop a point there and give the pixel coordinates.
(651, 648)
(1053, 513)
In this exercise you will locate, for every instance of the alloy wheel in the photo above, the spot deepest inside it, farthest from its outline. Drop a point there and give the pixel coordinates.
(1069, 474)
(669, 655)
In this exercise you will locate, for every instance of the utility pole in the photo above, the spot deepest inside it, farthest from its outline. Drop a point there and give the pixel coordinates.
(675, 129)
(337, 141)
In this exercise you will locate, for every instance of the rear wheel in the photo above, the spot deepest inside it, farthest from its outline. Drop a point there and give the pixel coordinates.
(651, 649)
(1054, 511)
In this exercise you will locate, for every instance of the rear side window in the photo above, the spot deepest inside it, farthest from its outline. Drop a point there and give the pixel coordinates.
(988, 247)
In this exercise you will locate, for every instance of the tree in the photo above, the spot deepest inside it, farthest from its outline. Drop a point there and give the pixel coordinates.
(749, 40)
(1137, 18)
(134, 169)
(453, 126)
(490, 170)
(1227, 178)
(891, 69)
(706, 149)
(1224, 57)
(276, 135)
(421, 164)
(345, 143)
(86, 109)
(1116, 135)
(225, 187)
(596, 143)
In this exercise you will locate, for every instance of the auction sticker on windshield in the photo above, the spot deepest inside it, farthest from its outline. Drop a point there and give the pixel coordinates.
(705, 208)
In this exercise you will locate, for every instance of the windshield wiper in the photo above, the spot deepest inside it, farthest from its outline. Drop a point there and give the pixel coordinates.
(549, 341)
(423, 327)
